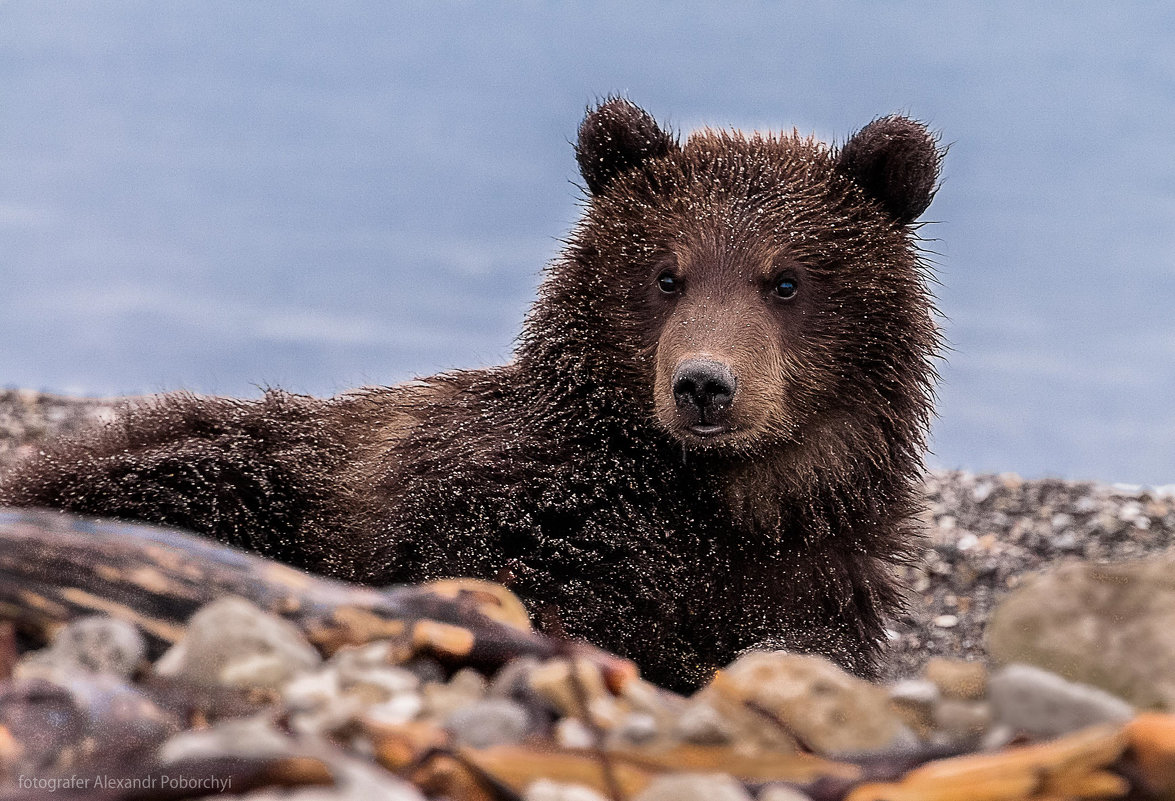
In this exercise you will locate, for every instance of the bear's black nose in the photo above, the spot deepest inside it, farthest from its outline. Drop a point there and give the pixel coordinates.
(703, 386)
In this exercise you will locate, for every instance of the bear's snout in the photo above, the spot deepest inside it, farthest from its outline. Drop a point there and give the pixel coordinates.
(703, 390)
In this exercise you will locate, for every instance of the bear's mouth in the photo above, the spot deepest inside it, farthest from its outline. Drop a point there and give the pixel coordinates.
(707, 430)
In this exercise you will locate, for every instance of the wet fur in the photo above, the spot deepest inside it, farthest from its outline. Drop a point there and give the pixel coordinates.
(562, 473)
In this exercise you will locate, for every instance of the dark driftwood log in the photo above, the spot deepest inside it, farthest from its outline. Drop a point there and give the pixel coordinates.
(56, 567)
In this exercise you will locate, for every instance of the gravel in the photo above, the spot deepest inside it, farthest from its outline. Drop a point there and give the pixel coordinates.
(28, 418)
(986, 533)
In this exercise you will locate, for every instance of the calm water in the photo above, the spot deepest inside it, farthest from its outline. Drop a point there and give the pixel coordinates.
(223, 195)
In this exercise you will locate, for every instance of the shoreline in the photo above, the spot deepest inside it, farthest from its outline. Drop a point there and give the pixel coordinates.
(984, 533)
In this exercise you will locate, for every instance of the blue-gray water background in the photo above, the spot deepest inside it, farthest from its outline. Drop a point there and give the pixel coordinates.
(218, 195)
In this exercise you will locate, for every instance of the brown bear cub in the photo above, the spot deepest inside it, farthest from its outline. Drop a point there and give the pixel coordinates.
(709, 440)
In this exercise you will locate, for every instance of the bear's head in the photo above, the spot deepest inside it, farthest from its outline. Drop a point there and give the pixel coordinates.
(745, 290)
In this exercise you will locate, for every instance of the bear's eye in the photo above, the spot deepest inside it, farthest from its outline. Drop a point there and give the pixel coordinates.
(785, 287)
(668, 284)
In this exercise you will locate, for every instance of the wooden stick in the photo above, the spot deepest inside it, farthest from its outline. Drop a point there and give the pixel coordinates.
(56, 567)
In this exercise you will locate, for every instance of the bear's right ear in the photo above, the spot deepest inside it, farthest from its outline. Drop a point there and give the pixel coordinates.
(617, 136)
(896, 160)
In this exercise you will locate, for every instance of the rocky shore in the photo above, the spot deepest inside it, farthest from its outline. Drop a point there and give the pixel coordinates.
(1036, 660)
(984, 533)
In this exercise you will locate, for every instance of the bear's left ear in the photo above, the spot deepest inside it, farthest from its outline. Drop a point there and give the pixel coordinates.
(896, 161)
(616, 137)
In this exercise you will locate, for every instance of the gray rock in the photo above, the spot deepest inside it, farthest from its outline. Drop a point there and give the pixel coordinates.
(441, 700)
(1043, 704)
(547, 790)
(397, 709)
(428, 671)
(642, 696)
(513, 679)
(921, 693)
(574, 733)
(828, 709)
(366, 673)
(636, 728)
(46, 727)
(694, 787)
(997, 737)
(355, 659)
(41, 720)
(958, 722)
(1112, 626)
(232, 642)
(255, 736)
(494, 721)
(318, 705)
(90, 644)
(356, 682)
(701, 724)
(782, 792)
